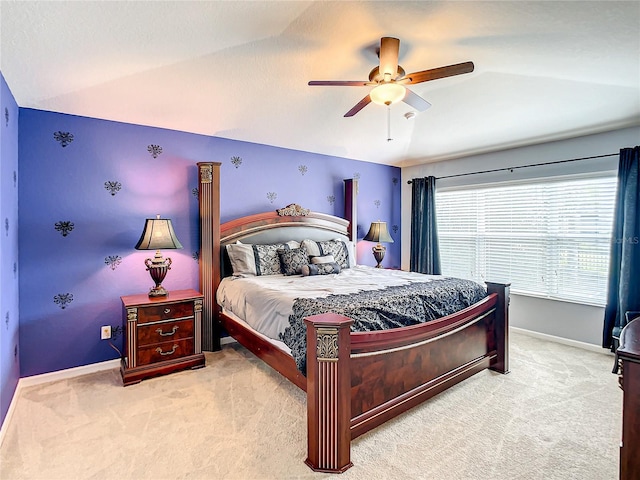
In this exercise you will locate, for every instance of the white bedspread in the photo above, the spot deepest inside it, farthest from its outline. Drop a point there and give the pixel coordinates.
(265, 302)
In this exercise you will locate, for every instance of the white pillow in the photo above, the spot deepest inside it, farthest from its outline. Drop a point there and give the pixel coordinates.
(242, 259)
(325, 259)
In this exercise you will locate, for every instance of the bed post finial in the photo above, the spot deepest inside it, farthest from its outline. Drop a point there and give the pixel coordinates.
(328, 393)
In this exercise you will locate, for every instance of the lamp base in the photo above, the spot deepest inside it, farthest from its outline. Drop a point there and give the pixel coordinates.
(158, 268)
(378, 254)
(158, 291)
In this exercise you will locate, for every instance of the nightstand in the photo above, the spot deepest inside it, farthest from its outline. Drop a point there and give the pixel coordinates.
(161, 334)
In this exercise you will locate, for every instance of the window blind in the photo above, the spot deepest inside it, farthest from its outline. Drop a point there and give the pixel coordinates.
(548, 238)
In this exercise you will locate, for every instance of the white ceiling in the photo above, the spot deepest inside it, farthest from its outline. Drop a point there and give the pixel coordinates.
(543, 70)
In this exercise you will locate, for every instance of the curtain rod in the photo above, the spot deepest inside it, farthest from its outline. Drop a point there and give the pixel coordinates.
(524, 166)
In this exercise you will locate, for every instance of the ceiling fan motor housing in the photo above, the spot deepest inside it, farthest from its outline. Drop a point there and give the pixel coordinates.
(377, 77)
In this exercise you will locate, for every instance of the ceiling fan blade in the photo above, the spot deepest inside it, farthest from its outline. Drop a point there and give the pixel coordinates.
(441, 72)
(339, 83)
(389, 48)
(415, 101)
(359, 106)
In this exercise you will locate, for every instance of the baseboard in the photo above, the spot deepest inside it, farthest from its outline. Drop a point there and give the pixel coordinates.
(69, 373)
(7, 418)
(565, 341)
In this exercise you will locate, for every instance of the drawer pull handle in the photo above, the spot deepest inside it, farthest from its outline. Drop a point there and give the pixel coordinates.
(167, 311)
(168, 334)
(173, 350)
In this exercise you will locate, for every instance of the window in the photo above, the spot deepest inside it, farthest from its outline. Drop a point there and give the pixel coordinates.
(548, 238)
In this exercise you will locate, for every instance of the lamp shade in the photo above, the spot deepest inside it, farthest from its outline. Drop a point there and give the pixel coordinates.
(387, 93)
(158, 234)
(378, 233)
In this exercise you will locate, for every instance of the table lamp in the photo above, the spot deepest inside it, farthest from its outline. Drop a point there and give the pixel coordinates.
(158, 234)
(378, 233)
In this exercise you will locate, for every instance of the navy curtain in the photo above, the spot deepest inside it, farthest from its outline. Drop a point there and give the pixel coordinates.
(425, 253)
(624, 267)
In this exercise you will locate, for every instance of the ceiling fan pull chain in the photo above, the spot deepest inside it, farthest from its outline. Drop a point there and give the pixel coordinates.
(389, 123)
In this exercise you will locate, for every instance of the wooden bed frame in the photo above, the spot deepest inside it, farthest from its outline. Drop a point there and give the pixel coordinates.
(355, 381)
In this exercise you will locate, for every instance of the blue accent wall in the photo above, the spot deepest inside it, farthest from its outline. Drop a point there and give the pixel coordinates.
(87, 185)
(9, 311)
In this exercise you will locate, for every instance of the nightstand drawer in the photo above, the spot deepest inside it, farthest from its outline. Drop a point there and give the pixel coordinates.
(165, 351)
(158, 313)
(164, 332)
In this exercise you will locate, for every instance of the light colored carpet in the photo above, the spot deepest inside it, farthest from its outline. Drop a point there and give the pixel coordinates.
(557, 415)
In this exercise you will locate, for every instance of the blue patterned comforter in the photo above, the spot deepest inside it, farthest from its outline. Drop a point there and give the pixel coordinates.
(391, 307)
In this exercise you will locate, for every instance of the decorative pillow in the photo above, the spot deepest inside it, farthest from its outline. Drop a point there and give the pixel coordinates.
(292, 260)
(325, 259)
(320, 269)
(267, 258)
(337, 248)
(247, 259)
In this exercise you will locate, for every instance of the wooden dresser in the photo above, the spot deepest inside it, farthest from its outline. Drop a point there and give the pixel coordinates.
(161, 334)
(629, 361)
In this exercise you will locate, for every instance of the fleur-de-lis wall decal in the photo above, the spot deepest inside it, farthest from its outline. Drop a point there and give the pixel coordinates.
(394, 228)
(64, 227)
(65, 138)
(113, 261)
(112, 187)
(195, 193)
(6, 226)
(6, 320)
(196, 256)
(376, 203)
(394, 180)
(272, 196)
(236, 161)
(356, 176)
(6, 117)
(331, 199)
(15, 269)
(63, 299)
(302, 169)
(15, 352)
(15, 179)
(154, 150)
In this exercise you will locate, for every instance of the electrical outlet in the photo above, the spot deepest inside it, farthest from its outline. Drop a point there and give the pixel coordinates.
(105, 332)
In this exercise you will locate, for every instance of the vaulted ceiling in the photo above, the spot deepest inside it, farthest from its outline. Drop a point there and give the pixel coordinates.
(543, 70)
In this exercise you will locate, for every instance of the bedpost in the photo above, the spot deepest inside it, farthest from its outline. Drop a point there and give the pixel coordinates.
(209, 259)
(328, 393)
(351, 207)
(501, 330)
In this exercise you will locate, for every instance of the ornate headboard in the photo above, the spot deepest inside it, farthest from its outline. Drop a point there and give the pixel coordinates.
(292, 222)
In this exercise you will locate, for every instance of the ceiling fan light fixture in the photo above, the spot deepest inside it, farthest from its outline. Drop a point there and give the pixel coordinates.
(387, 93)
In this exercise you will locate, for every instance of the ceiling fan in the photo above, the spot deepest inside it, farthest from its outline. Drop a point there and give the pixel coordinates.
(389, 80)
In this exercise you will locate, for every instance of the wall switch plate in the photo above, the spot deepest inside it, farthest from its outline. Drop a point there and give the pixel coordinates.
(105, 332)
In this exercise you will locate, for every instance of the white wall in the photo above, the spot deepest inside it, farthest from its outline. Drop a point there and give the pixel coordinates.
(568, 320)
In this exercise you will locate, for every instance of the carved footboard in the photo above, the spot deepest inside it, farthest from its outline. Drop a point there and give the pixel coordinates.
(356, 382)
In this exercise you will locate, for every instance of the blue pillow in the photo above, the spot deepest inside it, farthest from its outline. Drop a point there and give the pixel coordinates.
(321, 269)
